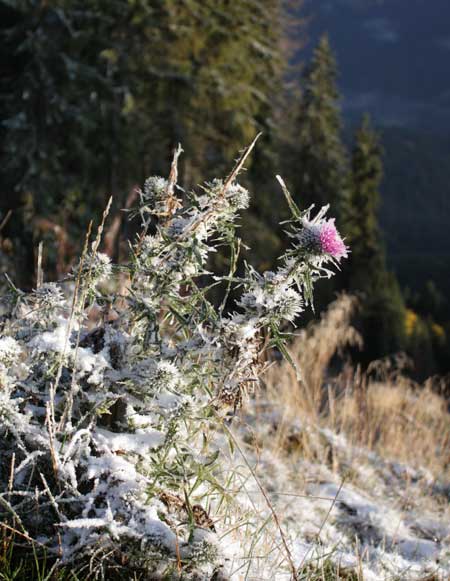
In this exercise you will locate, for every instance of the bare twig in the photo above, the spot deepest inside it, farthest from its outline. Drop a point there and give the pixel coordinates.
(239, 165)
(5, 219)
(11, 473)
(173, 203)
(40, 272)
(26, 536)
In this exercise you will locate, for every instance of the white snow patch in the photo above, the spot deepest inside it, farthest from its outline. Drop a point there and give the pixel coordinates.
(127, 442)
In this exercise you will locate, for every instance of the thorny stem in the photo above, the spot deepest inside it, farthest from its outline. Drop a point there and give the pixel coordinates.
(239, 165)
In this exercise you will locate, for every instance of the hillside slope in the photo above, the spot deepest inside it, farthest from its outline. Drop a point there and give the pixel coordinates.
(353, 515)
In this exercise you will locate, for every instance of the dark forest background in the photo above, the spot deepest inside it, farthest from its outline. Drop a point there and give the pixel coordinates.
(95, 95)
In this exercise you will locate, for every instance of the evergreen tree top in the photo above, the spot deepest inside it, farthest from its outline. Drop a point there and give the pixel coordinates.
(321, 156)
(321, 75)
(367, 165)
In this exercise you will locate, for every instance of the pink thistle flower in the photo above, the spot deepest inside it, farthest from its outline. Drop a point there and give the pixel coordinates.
(321, 237)
(330, 240)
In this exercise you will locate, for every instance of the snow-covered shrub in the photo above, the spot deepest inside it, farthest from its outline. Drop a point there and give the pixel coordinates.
(109, 401)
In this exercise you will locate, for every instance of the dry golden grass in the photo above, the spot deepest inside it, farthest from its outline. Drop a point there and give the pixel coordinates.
(392, 416)
(398, 420)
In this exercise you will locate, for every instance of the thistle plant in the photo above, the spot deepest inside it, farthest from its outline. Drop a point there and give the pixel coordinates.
(109, 401)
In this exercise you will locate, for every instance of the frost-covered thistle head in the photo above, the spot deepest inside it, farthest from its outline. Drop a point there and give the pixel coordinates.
(322, 237)
(9, 351)
(48, 296)
(237, 196)
(150, 245)
(155, 194)
(96, 266)
(153, 376)
(155, 187)
(290, 305)
(273, 303)
(234, 195)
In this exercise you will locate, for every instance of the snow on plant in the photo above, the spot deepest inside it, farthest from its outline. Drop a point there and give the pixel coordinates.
(109, 402)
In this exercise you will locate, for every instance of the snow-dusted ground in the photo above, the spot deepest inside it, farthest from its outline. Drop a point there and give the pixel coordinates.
(379, 518)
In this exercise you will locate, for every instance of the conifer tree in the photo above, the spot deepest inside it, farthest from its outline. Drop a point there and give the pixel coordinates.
(317, 160)
(359, 208)
(320, 161)
(88, 72)
(383, 310)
